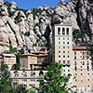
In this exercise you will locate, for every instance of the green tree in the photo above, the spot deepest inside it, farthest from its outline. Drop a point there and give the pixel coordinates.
(6, 84)
(5, 80)
(53, 81)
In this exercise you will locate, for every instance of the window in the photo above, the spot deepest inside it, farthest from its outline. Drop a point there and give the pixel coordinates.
(75, 53)
(87, 57)
(59, 47)
(75, 57)
(58, 30)
(63, 61)
(68, 56)
(83, 63)
(67, 42)
(67, 31)
(41, 73)
(63, 42)
(81, 74)
(81, 69)
(75, 80)
(59, 56)
(68, 47)
(88, 85)
(68, 61)
(23, 65)
(92, 74)
(63, 38)
(63, 31)
(67, 38)
(81, 66)
(81, 80)
(75, 74)
(63, 56)
(59, 51)
(75, 68)
(88, 74)
(88, 79)
(64, 70)
(59, 38)
(87, 62)
(32, 80)
(59, 61)
(68, 70)
(24, 80)
(64, 47)
(68, 51)
(87, 68)
(59, 42)
(63, 51)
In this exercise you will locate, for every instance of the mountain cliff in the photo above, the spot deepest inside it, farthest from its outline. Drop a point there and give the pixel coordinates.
(28, 28)
(79, 14)
(24, 28)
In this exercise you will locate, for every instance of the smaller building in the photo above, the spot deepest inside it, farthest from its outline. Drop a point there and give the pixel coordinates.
(36, 60)
(27, 77)
(9, 59)
(82, 69)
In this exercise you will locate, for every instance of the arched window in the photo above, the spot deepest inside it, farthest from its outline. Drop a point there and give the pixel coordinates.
(41, 73)
(87, 68)
(75, 68)
(59, 30)
(63, 31)
(67, 31)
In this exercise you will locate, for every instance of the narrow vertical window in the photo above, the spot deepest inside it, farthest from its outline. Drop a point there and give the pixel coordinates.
(58, 30)
(75, 68)
(63, 31)
(67, 31)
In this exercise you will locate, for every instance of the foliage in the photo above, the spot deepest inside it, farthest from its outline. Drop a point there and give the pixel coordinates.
(53, 81)
(6, 84)
(16, 66)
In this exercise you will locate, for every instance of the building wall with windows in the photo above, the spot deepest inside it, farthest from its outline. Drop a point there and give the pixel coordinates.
(36, 60)
(9, 59)
(27, 77)
(62, 48)
(82, 69)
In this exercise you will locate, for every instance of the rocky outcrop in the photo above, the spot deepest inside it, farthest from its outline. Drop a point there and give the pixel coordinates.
(28, 28)
(77, 13)
(24, 28)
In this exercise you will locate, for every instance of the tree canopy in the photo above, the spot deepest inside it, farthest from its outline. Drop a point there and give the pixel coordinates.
(53, 81)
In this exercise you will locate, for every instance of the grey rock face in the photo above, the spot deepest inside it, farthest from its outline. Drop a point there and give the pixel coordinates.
(79, 14)
(24, 28)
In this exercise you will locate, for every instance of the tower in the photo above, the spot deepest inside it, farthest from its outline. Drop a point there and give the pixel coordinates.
(62, 48)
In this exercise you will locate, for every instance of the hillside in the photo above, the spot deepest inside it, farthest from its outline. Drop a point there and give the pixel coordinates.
(24, 28)
(28, 28)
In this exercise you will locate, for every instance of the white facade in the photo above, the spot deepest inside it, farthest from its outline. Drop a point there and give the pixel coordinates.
(62, 48)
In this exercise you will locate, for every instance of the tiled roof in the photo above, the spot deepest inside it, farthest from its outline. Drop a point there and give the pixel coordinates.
(36, 52)
(27, 54)
(79, 47)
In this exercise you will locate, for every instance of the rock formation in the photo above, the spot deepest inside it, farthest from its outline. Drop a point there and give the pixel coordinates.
(24, 28)
(28, 28)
